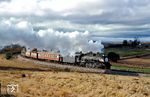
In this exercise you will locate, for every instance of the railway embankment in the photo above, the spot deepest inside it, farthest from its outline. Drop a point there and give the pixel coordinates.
(69, 68)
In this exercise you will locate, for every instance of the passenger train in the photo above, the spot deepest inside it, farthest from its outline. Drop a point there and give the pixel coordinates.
(89, 60)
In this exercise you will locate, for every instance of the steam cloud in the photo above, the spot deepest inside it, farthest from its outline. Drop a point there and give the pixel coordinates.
(17, 31)
(68, 42)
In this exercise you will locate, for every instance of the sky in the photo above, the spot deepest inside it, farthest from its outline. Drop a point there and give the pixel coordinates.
(34, 21)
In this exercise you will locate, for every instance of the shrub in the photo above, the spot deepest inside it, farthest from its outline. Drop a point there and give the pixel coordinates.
(8, 55)
(113, 56)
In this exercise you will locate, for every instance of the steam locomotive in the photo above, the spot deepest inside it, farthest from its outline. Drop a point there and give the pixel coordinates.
(89, 60)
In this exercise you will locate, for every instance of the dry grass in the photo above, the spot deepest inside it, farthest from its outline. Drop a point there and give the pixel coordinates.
(21, 64)
(70, 84)
(67, 84)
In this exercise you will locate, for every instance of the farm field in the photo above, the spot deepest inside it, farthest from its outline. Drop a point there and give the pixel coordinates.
(125, 52)
(72, 84)
(141, 64)
(124, 67)
(137, 62)
(44, 82)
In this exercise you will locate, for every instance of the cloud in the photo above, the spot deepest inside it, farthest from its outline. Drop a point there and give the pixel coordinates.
(5, 0)
(24, 21)
(69, 42)
(85, 11)
(19, 31)
(111, 12)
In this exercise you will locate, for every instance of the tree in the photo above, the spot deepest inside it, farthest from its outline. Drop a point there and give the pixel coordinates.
(125, 43)
(135, 42)
(113, 56)
(8, 55)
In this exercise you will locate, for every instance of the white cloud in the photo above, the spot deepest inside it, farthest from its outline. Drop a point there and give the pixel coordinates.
(58, 5)
(28, 20)
(23, 25)
(86, 11)
(67, 42)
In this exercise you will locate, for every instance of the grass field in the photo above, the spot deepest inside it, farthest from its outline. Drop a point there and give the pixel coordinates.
(19, 64)
(127, 68)
(71, 84)
(124, 52)
(52, 83)
(141, 64)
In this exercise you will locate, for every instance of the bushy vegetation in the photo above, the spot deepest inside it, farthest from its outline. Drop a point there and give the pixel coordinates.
(131, 43)
(128, 48)
(113, 56)
(8, 55)
(13, 48)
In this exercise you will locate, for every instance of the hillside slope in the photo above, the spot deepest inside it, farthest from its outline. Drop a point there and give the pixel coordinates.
(69, 84)
(50, 83)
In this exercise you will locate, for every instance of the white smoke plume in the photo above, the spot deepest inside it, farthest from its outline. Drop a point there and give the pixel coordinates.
(68, 42)
(18, 31)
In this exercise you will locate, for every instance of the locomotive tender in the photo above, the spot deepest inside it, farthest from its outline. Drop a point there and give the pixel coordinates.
(80, 59)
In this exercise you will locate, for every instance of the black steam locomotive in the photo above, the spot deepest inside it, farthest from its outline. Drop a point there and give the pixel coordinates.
(89, 60)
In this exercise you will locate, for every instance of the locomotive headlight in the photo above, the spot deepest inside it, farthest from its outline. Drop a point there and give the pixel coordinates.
(106, 59)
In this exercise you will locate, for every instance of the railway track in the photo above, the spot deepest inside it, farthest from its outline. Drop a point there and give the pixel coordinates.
(70, 68)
